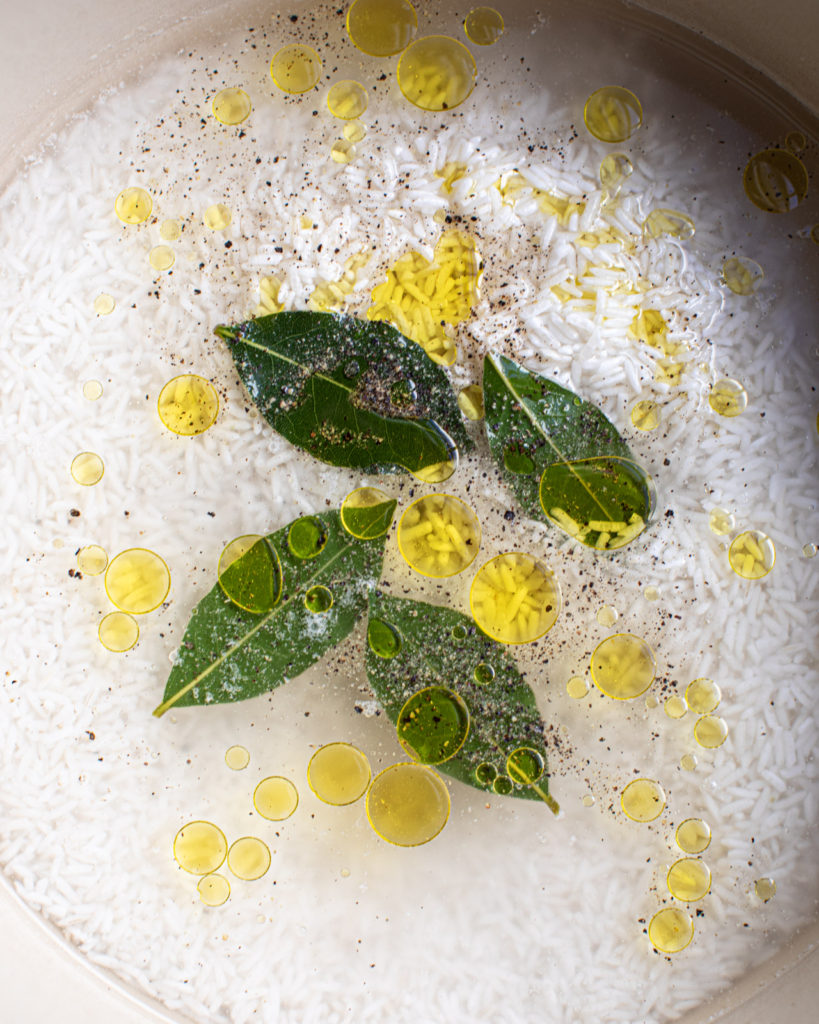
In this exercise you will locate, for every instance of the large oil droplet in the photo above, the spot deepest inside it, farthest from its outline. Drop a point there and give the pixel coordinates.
(87, 468)
(483, 26)
(250, 574)
(514, 598)
(702, 695)
(339, 773)
(483, 674)
(133, 205)
(623, 666)
(470, 402)
(384, 639)
(92, 560)
(231, 106)
(436, 73)
(170, 231)
(104, 304)
(693, 835)
(161, 258)
(347, 99)
(577, 687)
(664, 221)
(670, 930)
(237, 757)
(306, 537)
(342, 151)
(200, 847)
(688, 879)
(643, 800)
(752, 555)
(439, 535)
(381, 28)
(118, 632)
(645, 415)
(217, 217)
(728, 397)
(295, 68)
(721, 522)
(710, 731)
(408, 804)
(775, 180)
(188, 404)
(248, 858)
(525, 766)
(137, 581)
(675, 707)
(742, 275)
(612, 113)
(486, 773)
(607, 616)
(318, 599)
(367, 513)
(433, 725)
(275, 798)
(764, 889)
(92, 390)
(614, 170)
(213, 890)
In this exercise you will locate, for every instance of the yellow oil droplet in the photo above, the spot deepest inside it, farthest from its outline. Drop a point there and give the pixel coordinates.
(612, 113)
(295, 68)
(433, 724)
(607, 616)
(483, 26)
(587, 800)
(118, 632)
(688, 879)
(651, 702)
(470, 402)
(643, 800)
(688, 762)
(577, 687)
(381, 28)
(169, 230)
(200, 847)
(451, 172)
(809, 550)
(437, 473)
(188, 404)
(651, 594)
(439, 535)
(248, 858)
(764, 889)
(92, 560)
(104, 304)
(514, 598)
(137, 581)
(670, 930)
(728, 397)
(645, 415)
(354, 131)
(614, 169)
(275, 798)
(693, 835)
(133, 205)
(87, 468)
(161, 257)
(742, 275)
(623, 666)
(347, 99)
(436, 73)
(721, 522)
(339, 773)
(752, 555)
(664, 221)
(775, 180)
(217, 217)
(269, 288)
(702, 695)
(231, 106)
(92, 390)
(675, 707)
(710, 731)
(213, 890)
(408, 804)
(342, 151)
(357, 516)
(255, 584)
(237, 757)
(795, 142)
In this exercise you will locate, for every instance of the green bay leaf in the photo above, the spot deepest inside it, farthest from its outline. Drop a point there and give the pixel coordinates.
(414, 646)
(351, 392)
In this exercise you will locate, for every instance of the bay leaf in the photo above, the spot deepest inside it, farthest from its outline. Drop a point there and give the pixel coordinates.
(229, 653)
(413, 646)
(351, 392)
(563, 459)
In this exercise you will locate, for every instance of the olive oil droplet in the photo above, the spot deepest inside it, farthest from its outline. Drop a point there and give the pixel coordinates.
(688, 879)
(643, 800)
(275, 798)
(200, 847)
(612, 113)
(614, 170)
(213, 890)
(436, 73)
(486, 773)
(347, 99)
(408, 804)
(607, 616)
(623, 666)
(721, 522)
(354, 131)
(250, 574)
(137, 581)
(92, 390)
(133, 205)
(438, 535)
(92, 560)
(728, 397)
(470, 402)
(483, 674)
(710, 731)
(342, 151)
(383, 639)
(670, 930)
(318, 599)
(675, 707)
(104, 304)
(381, 28)
(702, 695)
(483, 26)
(231, 106)
(338, 773)
(188, 405)
(365, 513)
(295, 68)
(752, 555)
(809, 551)
(775, 180)
(514, 598)
(764, 889)
(645, 415)
(693, 835)
(433, 725)
(664, 221)
(161, 257)
(217, 217)
(118, 632)
(688, 762)
(503, 785)
(577, 687)
(525, 766)
(306, 537)
(87, 468)
(741, 275)
(248, 858)
(169, 230)
(237, 757)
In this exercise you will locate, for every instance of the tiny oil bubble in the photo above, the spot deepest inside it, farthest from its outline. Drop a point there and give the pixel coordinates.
(200, 847)
(693, 835)
(347, 99)
(188, 405)
(623, 666)
(433, 725)
(92, 560)
(408, 804)
(231, 106)
(752, 555)
(381, 28)
(436, 73)
(587, 800)
(250, 574)
(688, 879)
(137, 581)
(483, 26)
(92, 390)
(645, 415)
(383, 639)
(318, 599)
(651, 594)
(275, 798)
(354, 131)
(213, 890)
(721, 522)
(614, 169)
(688, 762)
(503, 785)
(170, 231)
(237, 757)
(118, 632)
(87, 468)
(307, 537)
(485, 773)
(796, 142)
(607, 616)
(651, 702)
(295, 68)
(339, 774)
(161, 257)
(742, 275)
(104, 304)
(764, 889)
(643, 800)
(670, 930)
(459, 632)
(809, 550)
(439, 535)
(366, 513)
(775, 180)
(514, 598)
(672, 223)
(675, 707)
(702, 695)
(483, 674)
(133, 205)
(470, 402)
(342, 151)
(578, 687)
(248, 858)
(525, 765)
(728, 397)
(217, 217)
(612, 113)
(710, 731)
